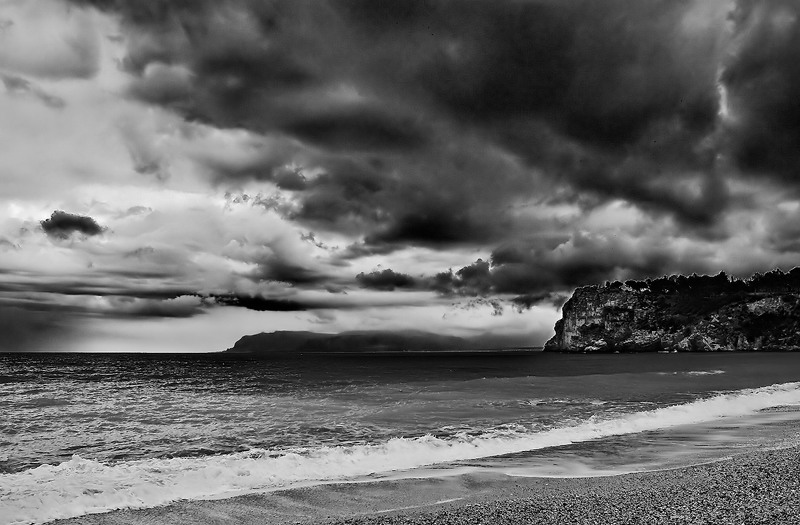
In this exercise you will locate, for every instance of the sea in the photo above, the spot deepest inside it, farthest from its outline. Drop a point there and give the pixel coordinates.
(89, 433)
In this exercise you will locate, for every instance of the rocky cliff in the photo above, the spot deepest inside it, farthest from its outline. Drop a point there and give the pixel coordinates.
(684, 314)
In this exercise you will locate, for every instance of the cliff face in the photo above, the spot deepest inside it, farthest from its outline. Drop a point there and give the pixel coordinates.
(711, 314)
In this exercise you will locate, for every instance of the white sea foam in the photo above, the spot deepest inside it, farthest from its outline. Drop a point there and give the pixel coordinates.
(82, 486)
(693, 373)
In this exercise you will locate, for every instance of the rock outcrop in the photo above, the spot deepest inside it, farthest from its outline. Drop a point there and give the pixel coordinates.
(683, 314)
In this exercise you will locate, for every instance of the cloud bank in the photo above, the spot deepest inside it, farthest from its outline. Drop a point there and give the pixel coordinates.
(322, 158)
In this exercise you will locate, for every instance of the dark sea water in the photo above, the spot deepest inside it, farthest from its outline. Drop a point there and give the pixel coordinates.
(84, 433)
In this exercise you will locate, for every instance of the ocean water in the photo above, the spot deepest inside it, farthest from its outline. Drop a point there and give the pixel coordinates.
(88, 433)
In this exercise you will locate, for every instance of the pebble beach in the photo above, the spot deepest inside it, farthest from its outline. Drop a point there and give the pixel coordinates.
(758, 488)
(753, 488)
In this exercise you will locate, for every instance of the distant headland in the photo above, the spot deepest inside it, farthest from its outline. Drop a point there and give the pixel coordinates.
(683, 314)
(696, 313)
(375, 343)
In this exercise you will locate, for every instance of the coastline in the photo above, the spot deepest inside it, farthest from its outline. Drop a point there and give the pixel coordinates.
(752, 487)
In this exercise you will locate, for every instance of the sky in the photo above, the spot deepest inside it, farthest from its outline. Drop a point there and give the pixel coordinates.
(177, 174)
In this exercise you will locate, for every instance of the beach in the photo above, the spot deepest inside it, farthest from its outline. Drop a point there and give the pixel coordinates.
(749, 488)
(349, 262)
(535, 439)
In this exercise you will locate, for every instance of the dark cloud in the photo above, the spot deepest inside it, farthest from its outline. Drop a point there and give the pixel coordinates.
(442, 225)
(359, 250)
(269, 159)
(290, 179)
(695, 200)
(612, 99)
(177, 307)
(90, 301)
(533, 272)
(449, 124)
(414, 200)
(284, 271)
(362, 129)
(491, 62)
(472, 280)
(762, 82)
(584, 259)
(262, 304)
(163, 85)
(115, 284)
(61, 225)
(386, 280)
(346, 197)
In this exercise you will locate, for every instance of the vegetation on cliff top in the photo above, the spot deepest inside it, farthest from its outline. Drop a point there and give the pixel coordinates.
(697, 295)
(687, 313)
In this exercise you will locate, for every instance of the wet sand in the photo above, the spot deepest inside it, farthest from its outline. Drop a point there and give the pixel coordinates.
(753, 488)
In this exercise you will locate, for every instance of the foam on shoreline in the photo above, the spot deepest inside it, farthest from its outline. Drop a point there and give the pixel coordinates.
(753, 487)
(83, 486)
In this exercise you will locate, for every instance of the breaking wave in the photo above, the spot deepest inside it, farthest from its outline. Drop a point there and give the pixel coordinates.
(84, 486)
(693, 373)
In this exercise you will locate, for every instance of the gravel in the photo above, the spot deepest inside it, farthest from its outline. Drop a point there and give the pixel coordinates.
(752, 488)
(757, 488)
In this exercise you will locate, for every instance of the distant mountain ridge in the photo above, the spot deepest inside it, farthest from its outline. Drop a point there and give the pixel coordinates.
(684, 314)
(288, 343)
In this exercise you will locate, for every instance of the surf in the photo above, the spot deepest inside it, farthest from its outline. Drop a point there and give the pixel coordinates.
(82, 486)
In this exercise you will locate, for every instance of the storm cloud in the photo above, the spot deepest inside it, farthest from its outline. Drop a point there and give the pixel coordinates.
(612, 100)
(761, 85)
(316, 158)
(61, 225)
(387, 280)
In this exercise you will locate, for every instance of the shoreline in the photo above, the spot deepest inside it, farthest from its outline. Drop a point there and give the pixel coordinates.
(752, 487)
